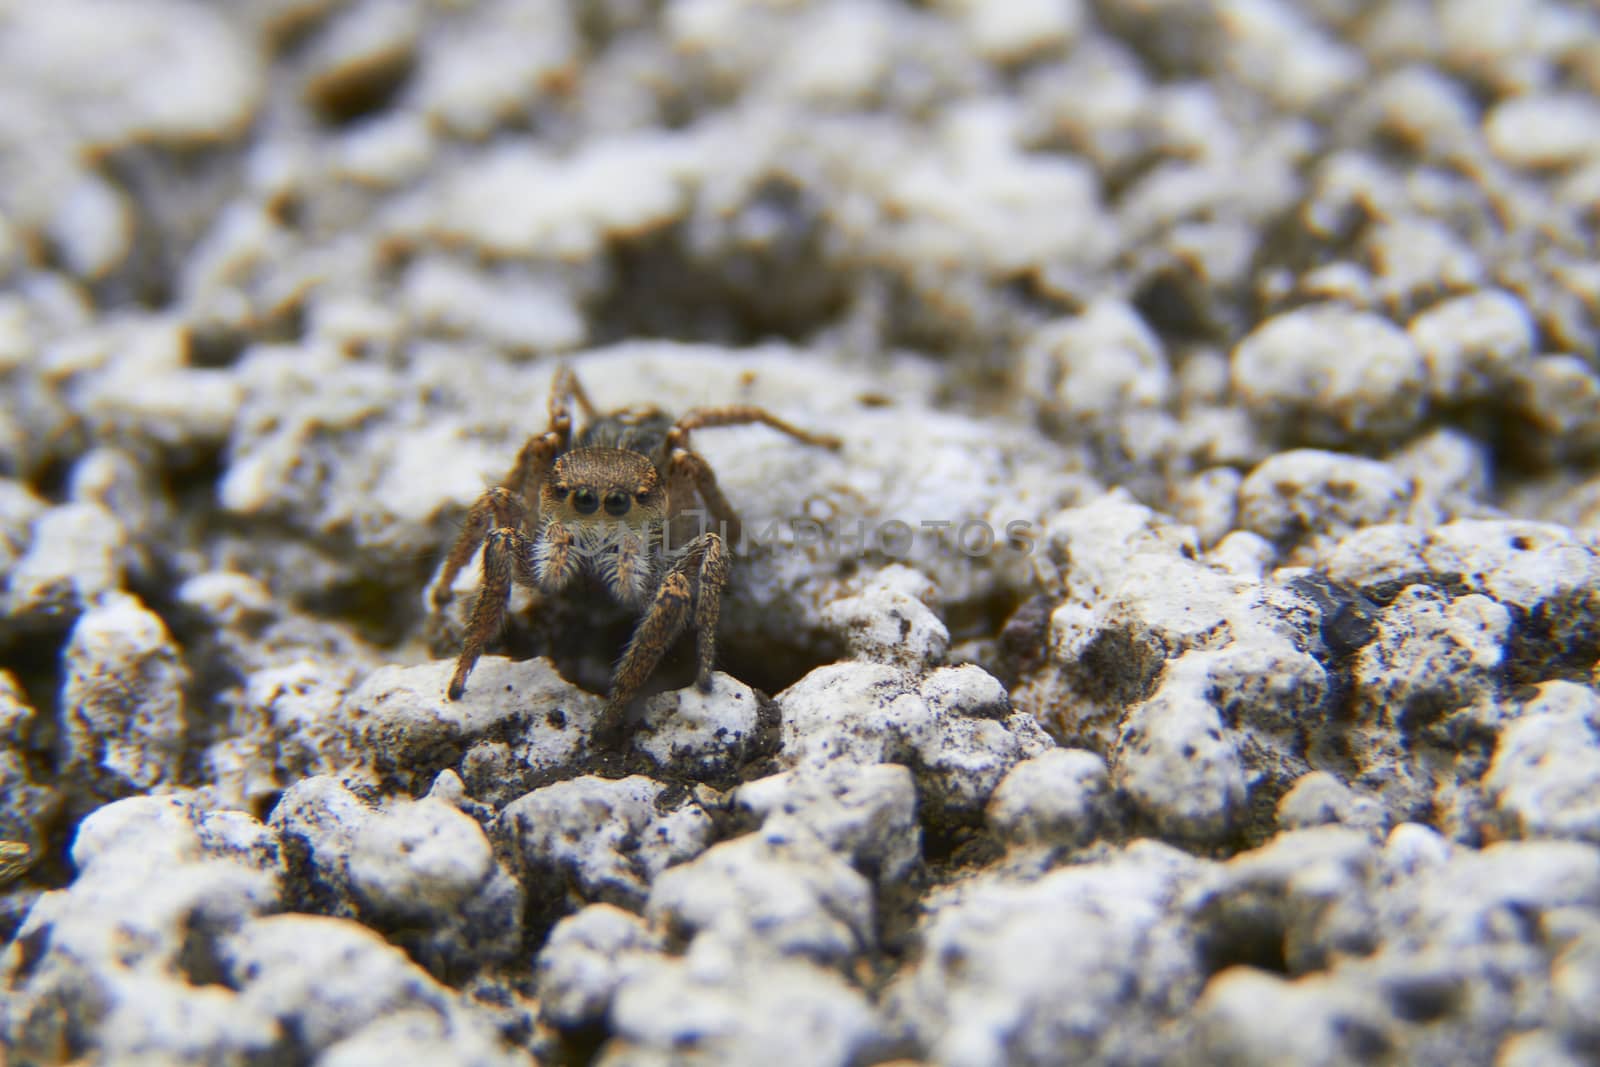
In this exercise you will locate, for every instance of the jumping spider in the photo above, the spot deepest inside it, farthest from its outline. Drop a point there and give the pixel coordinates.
(600, 503)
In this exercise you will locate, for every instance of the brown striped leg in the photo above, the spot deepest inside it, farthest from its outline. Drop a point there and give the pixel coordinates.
(495, 509)
(712, 578)
(686, 468)
(741, 415)
(507, 558)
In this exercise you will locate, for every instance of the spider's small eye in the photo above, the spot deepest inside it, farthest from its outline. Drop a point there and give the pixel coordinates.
(560, 493)
(586, 501)
(618, 503)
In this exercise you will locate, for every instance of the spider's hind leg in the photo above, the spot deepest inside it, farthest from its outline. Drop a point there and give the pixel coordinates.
(713, 577)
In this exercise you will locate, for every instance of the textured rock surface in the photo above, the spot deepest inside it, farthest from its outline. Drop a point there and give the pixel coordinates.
(1191, 652)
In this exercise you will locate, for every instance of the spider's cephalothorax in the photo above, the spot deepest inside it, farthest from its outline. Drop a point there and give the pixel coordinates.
(601, 502)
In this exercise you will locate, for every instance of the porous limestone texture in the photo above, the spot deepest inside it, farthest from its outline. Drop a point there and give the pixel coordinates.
(1178, 642)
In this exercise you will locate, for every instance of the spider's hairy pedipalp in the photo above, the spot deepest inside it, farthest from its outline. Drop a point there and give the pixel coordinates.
(555, 560)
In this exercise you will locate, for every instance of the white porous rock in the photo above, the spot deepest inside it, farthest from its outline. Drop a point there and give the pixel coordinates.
(1254, 1018)
(359, 51)
(834, 55)
(346, 450)
(1540, 570)
(1433, 657)
(386, 151)
(523, 314)
(620, 185)
(418, 868)
(27, 808)
(1276, 49)
(779, 889)
(1473, 344)
(16, 714)
(1086, 369)
(587, 958)
(1306, 888)
(147, 391)
(76, 553)
(1412, 943)
(1209, 502)
(127, 487)
(1544, 130)
(153, 70)
(1414, 949)
(866, 814)
(700, 734)
(283, 676)
(1243, 554)
(1387, 555)
(1450, 475)
(1540, 1048)
(1424, 108)
(487, 71)
(92, 227)
(1060, 798)
(1308, 494)
(891, 620)
(1327, 374)
(1545, 778)
(299, 702)
(1510, 49)
(419, 857)
(1458, 910)
(1321, 799)
(955, 729)
(325, 979)
(1416, 260)
(1013, 32)
(421, 1036)
(20, 506)
(1175, 761)
(122, 699)
(971, 203)
(517, 721)
(739, 1003)
(1575, 976)
(160, 885)
(1135, 598)
(1079, 965)
(1559, 396)
(317, 820)
(605, 839)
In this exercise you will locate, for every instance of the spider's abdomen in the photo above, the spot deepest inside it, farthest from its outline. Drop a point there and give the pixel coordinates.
(642, 430)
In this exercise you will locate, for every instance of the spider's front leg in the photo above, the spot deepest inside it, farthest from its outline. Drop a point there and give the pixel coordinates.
(508, 505)
(509, 555)
(690, 591)
(496, 509)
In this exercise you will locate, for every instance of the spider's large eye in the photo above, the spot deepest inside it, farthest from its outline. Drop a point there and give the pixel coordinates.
(618, 503)
(585, 501)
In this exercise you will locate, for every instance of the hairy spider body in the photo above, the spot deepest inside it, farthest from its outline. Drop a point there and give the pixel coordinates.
(602, 502)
